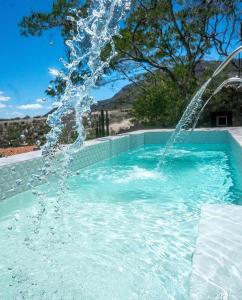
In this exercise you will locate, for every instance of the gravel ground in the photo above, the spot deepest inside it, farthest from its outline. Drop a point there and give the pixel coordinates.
(16, 150)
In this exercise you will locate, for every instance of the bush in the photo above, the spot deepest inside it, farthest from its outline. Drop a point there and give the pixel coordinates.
(161, 104)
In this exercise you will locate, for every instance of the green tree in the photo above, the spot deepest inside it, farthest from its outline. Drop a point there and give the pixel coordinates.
(164, 34)
(160, 103)
(158, 35)
(39, 22)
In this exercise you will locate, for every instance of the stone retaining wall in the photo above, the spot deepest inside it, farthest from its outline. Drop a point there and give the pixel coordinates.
(17, 132)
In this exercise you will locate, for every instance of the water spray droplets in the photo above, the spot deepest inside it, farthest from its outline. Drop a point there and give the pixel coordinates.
(54, 72)
(92, 35)
(22, 137)
(70, 18)
(38, 143)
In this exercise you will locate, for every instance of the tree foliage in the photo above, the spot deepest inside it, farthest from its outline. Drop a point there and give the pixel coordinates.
(160, 104)
(164, 34)
(38, 22)
(168, 37)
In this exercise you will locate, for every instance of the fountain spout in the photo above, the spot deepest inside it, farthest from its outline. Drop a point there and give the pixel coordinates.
(218, 89)
(227, 61)
(194, 109)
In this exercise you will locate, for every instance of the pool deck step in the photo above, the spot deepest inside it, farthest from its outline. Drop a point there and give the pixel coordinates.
(217, 261)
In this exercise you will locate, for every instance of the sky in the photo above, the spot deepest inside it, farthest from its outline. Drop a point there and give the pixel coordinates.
(24, 63)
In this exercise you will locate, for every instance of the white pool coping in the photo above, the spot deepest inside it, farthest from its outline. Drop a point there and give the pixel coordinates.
(217, 261)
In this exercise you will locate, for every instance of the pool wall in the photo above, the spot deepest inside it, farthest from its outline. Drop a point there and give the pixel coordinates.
(27, 166)
(235, 143)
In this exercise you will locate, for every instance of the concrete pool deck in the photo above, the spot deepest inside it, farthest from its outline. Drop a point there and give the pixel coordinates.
(217, 261)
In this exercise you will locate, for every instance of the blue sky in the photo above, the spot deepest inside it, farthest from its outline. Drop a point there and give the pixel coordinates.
(24, 62)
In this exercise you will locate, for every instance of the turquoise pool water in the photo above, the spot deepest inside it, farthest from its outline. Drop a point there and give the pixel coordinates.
(124, 230)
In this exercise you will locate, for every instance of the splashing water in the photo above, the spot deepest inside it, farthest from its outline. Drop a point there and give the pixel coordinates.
(88, 39)
(188, 117)
(194, 109)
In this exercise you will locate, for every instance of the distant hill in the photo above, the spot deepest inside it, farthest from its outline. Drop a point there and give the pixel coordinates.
(124, 99)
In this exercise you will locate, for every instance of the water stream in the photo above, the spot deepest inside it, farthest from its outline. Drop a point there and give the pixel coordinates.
(196, 106)
(231, 80)
(89, 37)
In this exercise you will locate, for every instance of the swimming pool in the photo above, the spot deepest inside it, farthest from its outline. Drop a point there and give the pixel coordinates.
(125, 230)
